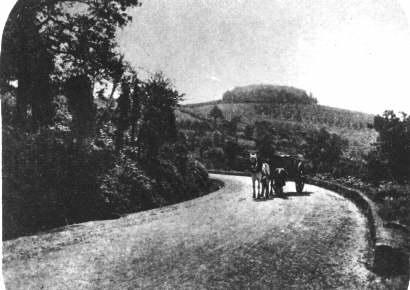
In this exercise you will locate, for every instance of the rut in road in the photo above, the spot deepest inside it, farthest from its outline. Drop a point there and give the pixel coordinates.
(221, 240)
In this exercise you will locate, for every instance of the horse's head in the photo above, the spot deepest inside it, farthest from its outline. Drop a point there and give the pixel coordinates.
(253, 160)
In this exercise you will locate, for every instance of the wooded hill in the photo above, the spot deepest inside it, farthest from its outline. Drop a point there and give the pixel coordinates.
(268, 94)
(288, 109)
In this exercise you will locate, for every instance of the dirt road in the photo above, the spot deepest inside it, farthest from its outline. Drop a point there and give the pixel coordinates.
(223, 240)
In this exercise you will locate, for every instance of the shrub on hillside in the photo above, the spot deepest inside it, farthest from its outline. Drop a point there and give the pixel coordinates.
(391, 155)
(323, 150)
(214, 157)
(127, 188)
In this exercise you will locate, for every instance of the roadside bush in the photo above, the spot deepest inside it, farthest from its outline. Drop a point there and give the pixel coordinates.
(48, 180)
(214, 157)
(132, 186)
(126, 188)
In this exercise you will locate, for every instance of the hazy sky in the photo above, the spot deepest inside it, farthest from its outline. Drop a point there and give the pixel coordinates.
(352, 54)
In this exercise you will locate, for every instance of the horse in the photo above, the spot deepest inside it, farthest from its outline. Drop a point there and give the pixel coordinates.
(256, 172)
(278, 180)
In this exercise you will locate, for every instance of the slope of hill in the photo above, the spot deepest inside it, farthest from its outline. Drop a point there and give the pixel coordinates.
(293, 111)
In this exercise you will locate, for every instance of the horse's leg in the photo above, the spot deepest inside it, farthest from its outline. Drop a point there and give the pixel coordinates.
(253, 185)
(265, 188)
(271, 186)
(259, 184)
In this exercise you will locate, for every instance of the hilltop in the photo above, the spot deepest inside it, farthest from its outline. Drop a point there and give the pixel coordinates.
(268, 94)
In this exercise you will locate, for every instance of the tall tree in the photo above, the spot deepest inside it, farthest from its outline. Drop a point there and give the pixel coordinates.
(393, 144)
(54, 41)
(123, 114)
(264, 139)
(158, 126)
(136, 107)
(233, 126)
(216, 114)
(81, 105)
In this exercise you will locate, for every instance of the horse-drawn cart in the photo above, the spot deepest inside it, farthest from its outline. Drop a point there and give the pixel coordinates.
(292, 171)
(275, 171)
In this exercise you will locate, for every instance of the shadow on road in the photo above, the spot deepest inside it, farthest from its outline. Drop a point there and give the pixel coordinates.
(293, 193)
(285, 195)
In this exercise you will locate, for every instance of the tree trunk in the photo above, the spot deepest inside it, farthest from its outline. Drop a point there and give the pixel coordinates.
(78, 91)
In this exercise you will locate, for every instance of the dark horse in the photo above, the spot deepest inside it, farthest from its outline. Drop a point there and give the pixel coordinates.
(278, 180)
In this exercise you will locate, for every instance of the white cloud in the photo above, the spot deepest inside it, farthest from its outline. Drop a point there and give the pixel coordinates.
(213, 78)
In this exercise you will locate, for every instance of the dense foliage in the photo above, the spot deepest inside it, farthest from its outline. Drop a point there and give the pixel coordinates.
(83, 137)
(391, 156)
(226, 146)
(323, 150)
(268, 94)
(293, 121)
(51, 46)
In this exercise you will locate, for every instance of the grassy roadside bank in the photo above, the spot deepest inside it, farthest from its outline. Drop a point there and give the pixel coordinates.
(392, 200)
(14, 224)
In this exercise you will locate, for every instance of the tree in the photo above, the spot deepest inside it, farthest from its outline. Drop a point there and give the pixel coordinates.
(324, 149)
(204, 144)
(47, 43)
(81, 106)
(393, 144)
(232, 150)
(215, 157)
(136, 107)
(248, 132)
(123, 119)
(158, 115)
(264, 140)
(233, 126)
(216, 114)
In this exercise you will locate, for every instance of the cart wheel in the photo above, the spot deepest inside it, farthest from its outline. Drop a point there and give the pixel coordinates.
(299, 186)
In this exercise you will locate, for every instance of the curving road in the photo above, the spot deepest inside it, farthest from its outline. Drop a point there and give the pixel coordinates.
(222, 240)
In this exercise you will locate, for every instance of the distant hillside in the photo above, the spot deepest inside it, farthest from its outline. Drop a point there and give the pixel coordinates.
(268, 94)
(289, 108)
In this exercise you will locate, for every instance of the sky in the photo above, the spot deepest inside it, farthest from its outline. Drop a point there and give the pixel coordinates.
(352, 54)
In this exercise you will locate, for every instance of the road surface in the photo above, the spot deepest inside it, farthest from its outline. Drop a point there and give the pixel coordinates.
(223, 240)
